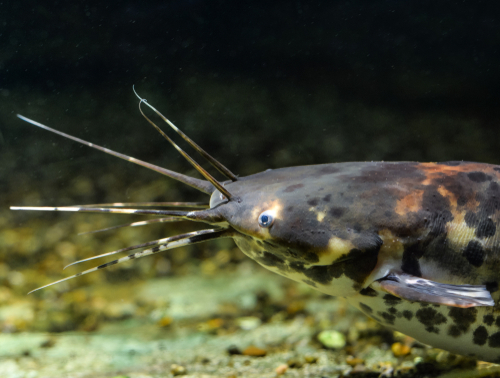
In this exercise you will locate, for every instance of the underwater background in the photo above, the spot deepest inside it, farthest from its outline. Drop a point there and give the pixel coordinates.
(258, 84)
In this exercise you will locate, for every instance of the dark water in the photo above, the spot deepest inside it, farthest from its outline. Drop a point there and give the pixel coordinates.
(259, 84)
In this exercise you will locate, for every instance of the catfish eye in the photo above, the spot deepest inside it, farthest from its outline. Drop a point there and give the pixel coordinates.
(266, 219)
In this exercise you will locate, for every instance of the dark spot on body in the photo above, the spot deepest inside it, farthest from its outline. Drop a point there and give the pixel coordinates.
(392, 311)
(497, 321)
(391, 300)
(408, 314)
(336, 212)
(479, 176)
(454, 331)
(430, 318)
(292, 188)
(366, 308)
(327, 198)
(356, 265)
(269, 259)
(410, 263)
(313, 201)
(474, 253)
(480, 335)
(439, 207)
(497, 169)
(463, 318)
(387, 317)
(437, 222)
(494, 340)
(310, 283)
(322, 274)
(289, 208)
(489, 200)
(471, 219)
(486, 228)
(368, 292)
(359, 264)
(488, 319)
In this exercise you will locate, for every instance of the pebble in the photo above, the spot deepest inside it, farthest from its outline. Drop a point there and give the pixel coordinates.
(254, 351)
(178, 370)
(332, 339)
(310, 359)
(233, 350)
(295, 363)
(165, 321)
(399, 349)
(280, 370)
(353, 361)
(248, 323)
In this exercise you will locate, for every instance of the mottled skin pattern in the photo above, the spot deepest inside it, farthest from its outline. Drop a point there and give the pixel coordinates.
(340, 227)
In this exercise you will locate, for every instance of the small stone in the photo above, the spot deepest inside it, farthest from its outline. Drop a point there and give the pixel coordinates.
(353, 361)
(295, 307)
(233, 350)
(399, 349)
(49, 343)
(332, 339)
(254, 351)
(248, 323)
(165, 321)
(280, 370)
(215, 323)
(178, 370)
(310, 359)
(295, 363)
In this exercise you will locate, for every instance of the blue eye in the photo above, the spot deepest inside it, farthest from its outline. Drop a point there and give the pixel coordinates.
(266, 219)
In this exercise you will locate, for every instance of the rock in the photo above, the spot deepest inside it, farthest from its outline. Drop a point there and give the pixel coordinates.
(281, 369)
(254, 351)
(178, 370)
(248, 323)
(332, 339)
(233, 350)
(399, 349)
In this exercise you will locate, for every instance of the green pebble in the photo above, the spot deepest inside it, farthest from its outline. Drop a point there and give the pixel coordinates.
(332, 339)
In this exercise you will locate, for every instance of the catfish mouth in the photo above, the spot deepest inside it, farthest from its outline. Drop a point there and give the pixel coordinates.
(209, 212)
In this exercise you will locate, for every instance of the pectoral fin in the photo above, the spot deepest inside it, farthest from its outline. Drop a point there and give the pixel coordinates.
(416, 289)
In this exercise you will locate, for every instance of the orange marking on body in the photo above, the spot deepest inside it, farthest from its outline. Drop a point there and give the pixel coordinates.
(435, 170)
(450, 196)
(410, 203)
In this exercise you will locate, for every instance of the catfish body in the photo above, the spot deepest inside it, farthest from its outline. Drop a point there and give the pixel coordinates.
(343, 228)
